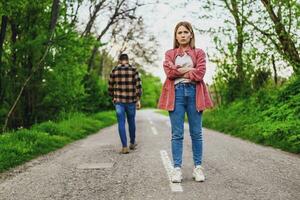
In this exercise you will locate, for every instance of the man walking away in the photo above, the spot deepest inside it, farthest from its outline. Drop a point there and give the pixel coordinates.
(125, 88)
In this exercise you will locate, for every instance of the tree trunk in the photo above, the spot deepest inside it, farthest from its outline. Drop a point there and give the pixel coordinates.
(14, 34)
(92, 19)
(2, 35)
(275, 70)
(73, 21)
(218, 98)
(2, 38)
(95, 49)
(240, 41)
(54, 15)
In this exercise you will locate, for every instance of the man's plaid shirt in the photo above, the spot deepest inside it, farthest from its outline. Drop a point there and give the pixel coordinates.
(124, 85)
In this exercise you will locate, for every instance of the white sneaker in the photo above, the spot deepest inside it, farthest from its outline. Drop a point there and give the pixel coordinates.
(198, 174)
(176, 175)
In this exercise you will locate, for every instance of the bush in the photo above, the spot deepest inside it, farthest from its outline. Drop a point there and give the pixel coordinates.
(96, 97)
(270, 117)
(151, 90)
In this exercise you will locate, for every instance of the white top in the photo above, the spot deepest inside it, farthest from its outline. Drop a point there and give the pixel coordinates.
(183, 61)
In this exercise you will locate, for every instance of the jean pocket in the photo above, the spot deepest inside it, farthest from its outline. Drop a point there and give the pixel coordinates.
(177, 86)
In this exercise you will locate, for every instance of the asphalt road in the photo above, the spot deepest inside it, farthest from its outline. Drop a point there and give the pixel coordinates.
(92, 169)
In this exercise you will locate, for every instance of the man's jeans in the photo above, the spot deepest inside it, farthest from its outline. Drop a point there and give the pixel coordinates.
(129, 110)
(185, 101)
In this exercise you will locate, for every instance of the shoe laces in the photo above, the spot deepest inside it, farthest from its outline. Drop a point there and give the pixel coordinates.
(199, 169)
(176, 171)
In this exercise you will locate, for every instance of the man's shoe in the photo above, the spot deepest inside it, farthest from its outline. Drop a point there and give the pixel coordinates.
(132, 146)
(198, 174)
(176, 175)
(125, 150)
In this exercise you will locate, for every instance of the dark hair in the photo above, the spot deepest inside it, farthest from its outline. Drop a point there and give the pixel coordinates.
(123, 56)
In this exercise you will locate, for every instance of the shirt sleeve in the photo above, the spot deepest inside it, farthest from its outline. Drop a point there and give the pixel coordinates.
(138, 85)
(111, 83)
(170, 68)
(197, 74)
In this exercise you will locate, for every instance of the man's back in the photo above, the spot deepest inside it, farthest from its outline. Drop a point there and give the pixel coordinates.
(125, 84)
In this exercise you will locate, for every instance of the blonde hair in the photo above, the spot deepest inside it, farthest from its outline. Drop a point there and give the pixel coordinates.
(188, 26)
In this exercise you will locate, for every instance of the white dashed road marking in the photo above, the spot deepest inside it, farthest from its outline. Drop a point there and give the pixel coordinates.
(175, 187)
(95, 165)
(154, 130)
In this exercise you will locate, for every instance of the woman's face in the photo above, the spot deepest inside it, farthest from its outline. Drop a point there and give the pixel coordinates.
(183, 35)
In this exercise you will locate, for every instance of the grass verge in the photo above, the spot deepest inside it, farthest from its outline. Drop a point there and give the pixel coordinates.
(242, 120)
(23, 145)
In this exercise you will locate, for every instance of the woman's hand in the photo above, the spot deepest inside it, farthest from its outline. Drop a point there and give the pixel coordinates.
(184, 70)
(186, 75)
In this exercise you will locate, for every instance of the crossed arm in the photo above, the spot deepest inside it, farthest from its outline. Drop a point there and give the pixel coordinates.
(175, 71)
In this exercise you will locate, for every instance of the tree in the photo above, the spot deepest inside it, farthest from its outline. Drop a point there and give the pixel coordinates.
(233, 7)
(120, 10)
(133, 40)
(266, 39)
(98, 7)
(278, 29)
(285, 45)
(44, 54)
(52, 25)
(231, 47)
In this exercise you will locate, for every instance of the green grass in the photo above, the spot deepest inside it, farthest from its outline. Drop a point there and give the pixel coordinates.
(23, 145)
(164, 112)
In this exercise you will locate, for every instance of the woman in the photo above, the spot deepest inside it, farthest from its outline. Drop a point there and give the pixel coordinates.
(184, 91)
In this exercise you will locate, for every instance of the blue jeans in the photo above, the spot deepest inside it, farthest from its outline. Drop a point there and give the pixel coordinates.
(129, 110)
(185, 102)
